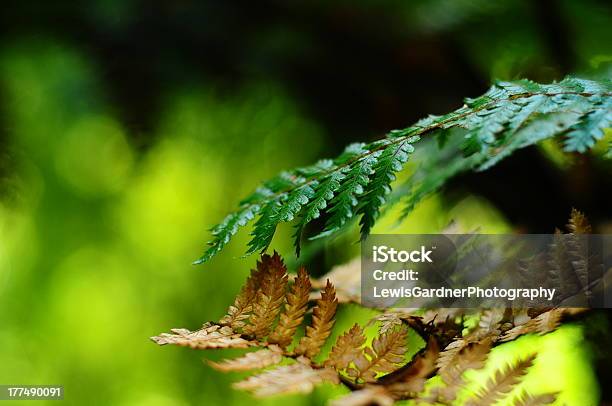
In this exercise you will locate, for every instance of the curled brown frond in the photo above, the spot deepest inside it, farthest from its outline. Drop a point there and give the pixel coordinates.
(347, 348)
(386, 353)
(502, 383)
(209, 336)
(292, 316)
(252, 360)
(322, 323)
(270, 296)
(295, 378)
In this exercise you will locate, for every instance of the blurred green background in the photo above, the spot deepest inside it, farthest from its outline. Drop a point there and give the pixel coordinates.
(128, 128)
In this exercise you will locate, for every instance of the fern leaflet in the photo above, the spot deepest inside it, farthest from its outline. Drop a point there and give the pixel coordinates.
(485, 130)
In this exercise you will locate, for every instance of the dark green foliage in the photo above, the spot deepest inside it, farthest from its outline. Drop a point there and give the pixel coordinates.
(486, 129)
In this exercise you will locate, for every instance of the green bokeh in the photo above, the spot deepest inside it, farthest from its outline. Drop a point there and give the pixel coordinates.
(95, 249)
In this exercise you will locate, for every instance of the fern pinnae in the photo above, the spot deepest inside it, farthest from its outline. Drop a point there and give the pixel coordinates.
(526, 399)
(583, 135)
(578, 250)
(294, 378)
(391, 161)
(455, 363)
(269, 298)
(485, 125)
(240, 310)
(323, 194)
(347, 348)
(292, 316)
(322, 323)
(251, 360)
(578, 223)
(248, 210)
(502, 382)
(386, 353)
(283, 209)
(352, 185)
(225, 230)
(511, 115)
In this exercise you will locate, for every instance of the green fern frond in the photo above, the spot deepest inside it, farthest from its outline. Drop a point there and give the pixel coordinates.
(486, 129)
(353, 185)
(326, 191)
(584, 134)
(390, 162)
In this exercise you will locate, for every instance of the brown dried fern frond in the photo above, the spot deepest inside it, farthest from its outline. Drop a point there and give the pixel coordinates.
(322, 323)
(371, 395)
(348, 346)
(526, 399)
(270, 296)
(240, 310)
(386, 353)
(407, 382)
(388, 321)
(377, 374)
(209, 336)
(502, 382)
(269, 285)
(292, 316)
(544, 323)
(295, 378)
(471, 356)
(252, 360)
(578, 223)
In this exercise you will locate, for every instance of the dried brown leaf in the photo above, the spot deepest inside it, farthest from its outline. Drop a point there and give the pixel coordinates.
(441, 315)
(240, 310)
(471, 355)
(542, 324)
(451, 350)
(502, 382)
(322, 323)
(526, 399)
(209, 336)
(294, 378)
(578, 223)
(270, 296)
(412, 379)
(386, 353)
(292, 316)
(252, 360)
(388, 321)
(372, 395)
(347, 348)
(490, 320)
